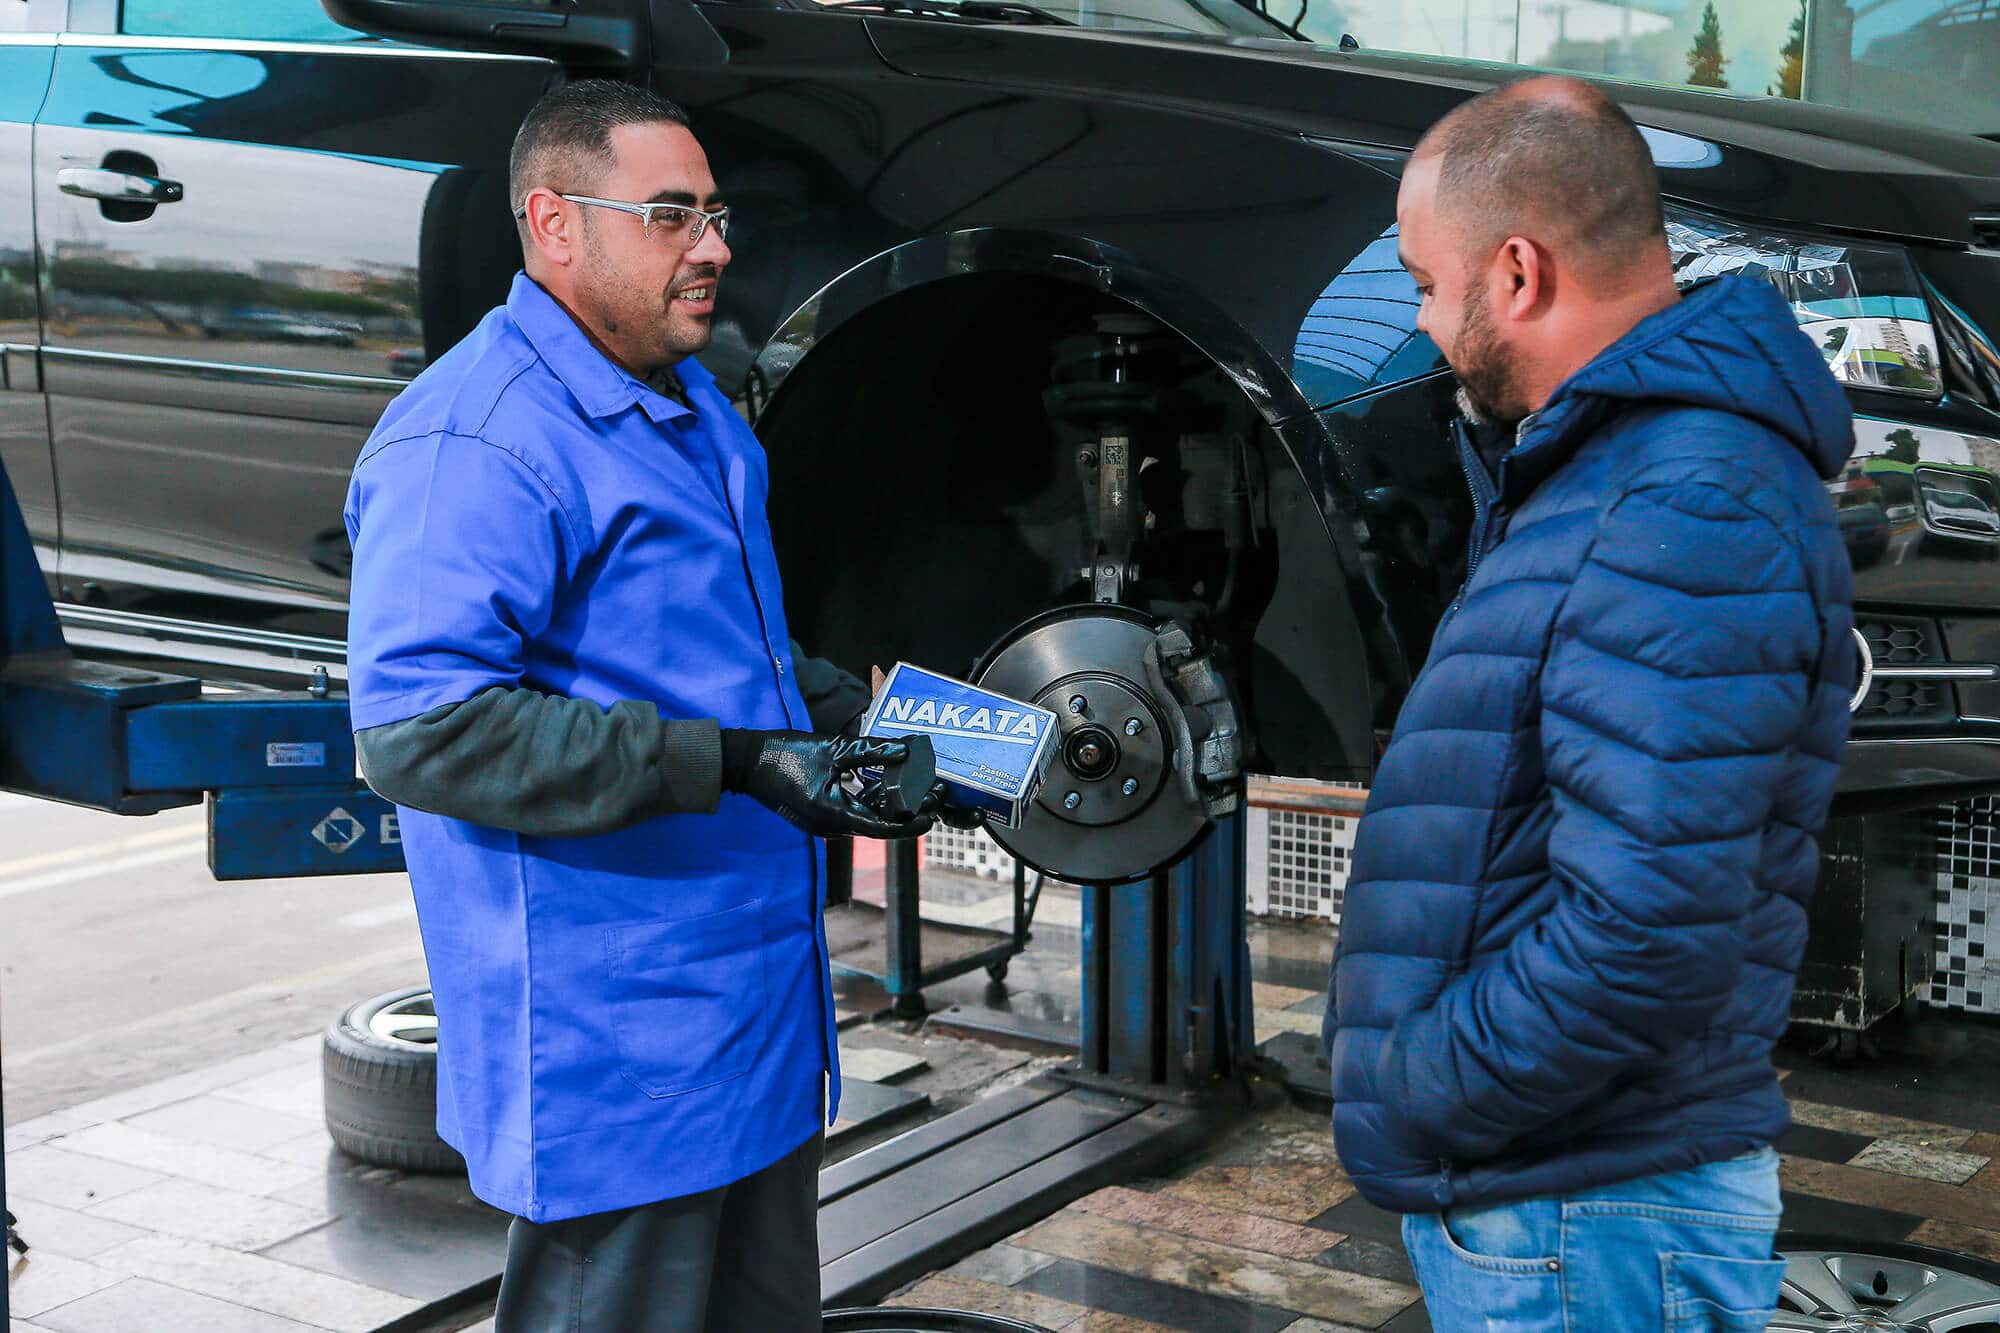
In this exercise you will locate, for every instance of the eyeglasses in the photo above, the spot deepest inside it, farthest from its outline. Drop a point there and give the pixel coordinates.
(682, 225)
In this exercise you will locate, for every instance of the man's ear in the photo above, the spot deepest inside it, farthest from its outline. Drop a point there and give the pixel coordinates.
(1527, 278)
(552, 227)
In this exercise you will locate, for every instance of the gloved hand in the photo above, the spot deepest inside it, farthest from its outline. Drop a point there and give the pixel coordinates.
(938, 805)
(798, 775)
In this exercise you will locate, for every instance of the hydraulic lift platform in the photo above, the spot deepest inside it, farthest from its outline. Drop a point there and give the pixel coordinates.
(1166, 1052)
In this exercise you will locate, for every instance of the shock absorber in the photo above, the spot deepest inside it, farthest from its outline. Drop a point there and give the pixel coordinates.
(1115, 385)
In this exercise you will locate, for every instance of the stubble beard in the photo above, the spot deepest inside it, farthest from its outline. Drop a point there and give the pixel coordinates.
(1485, 366)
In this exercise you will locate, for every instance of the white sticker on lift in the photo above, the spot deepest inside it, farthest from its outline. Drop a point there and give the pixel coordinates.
(295, 754)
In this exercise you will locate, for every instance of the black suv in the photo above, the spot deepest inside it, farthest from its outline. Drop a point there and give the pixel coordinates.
(1099, 302)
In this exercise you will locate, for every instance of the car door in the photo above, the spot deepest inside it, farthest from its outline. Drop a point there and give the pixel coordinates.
(26, 57)
(255, 226)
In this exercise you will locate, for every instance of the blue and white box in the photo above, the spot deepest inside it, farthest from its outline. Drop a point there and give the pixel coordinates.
(992, 751)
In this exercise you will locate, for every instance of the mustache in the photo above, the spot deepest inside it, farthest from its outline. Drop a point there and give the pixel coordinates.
(705, 276)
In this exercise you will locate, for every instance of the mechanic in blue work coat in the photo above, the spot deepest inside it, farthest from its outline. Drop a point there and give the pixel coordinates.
(569, 663)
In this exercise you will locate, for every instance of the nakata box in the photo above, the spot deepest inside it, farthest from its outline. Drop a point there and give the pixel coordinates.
(992, 751)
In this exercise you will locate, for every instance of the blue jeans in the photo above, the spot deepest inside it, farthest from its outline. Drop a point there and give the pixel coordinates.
(1681, 1252)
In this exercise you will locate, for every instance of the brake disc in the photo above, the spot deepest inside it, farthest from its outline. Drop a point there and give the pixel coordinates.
(1148, 751)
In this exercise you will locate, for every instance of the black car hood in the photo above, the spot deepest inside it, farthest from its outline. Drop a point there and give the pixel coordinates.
(1762, 157)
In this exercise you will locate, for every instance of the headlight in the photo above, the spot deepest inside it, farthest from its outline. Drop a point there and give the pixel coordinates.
(1860, 302)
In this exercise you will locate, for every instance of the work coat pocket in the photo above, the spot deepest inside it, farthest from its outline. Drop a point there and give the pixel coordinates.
(688, 1000)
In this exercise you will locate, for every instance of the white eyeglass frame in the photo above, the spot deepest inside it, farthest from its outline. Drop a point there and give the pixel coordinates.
(697, 226)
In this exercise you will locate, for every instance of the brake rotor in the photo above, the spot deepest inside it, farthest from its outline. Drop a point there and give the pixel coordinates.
(1113, 807)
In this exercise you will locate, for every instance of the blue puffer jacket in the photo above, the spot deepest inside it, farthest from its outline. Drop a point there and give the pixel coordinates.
(1578, 896)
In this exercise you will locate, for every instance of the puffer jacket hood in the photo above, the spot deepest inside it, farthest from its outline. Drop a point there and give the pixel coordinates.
(1577, 899)
(1730, 345)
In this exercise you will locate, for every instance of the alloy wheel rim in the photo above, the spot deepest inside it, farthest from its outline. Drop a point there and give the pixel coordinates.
(1853, 1291)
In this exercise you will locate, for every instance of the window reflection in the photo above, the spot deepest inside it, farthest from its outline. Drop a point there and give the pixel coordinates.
(1932, 61)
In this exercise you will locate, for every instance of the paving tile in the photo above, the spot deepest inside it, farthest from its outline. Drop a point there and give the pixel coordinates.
(309, 1149)
(1160, 1303)
(958, 1293)
(202, 1212)
(1413, 1320)
(1298, 973)
(1002, 1265)
(137, 1304)
(1376, 1258)
(1269, 995)
(23, 1326)
(1205, 1221)
(41, 1129)
(878, 1064)
(55, 1230)
(261, 1284)
(1906, 1159)
(1102, 1321)
(1895, 1193)
(296, 1091)
(301, 1053)
(413, 1247)
(1269, 1021)
(1878, 1125)
(1310, 1325)
(1812, 1215)
(1355, 1216)
(1288, 1192)
(42, 1281)
(1824, 1145)
(224, 1168)
(843, 1019)
(1977, 1241)
(1217, 1270)
(224, 1123)
(71, 1180)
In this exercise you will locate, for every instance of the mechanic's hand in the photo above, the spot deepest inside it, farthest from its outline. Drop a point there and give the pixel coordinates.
(938, 805)
(798, 775)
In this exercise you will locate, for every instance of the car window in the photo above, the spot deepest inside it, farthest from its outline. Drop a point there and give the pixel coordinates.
(249, 20)
(1931, 61)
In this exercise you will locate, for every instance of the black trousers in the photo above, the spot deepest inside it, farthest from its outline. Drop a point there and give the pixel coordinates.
(740, 1259)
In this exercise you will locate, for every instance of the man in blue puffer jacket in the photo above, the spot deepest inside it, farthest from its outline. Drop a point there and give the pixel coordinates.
(1579, 894)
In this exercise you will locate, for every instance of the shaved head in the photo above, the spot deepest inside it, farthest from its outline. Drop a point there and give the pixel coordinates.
(1530, 220)
(1550, 158)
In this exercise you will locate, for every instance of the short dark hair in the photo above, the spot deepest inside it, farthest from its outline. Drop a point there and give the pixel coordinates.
(1549, 157)
(568, 133)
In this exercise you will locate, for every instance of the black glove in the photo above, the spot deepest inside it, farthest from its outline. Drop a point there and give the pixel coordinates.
(938, 805)
(798, 775)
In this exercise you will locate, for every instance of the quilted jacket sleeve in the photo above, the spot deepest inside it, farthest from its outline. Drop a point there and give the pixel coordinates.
(1679, 672)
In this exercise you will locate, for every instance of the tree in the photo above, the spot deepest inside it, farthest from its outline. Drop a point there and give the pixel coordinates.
(1836, 338)
(1792, 59)
(1705, 58)
(1903, 445)
(1925, 365)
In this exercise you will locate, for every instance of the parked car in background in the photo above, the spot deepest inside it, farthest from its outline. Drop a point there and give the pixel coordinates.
(956, 225)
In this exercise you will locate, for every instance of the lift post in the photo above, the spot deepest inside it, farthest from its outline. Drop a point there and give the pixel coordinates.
(276, 770)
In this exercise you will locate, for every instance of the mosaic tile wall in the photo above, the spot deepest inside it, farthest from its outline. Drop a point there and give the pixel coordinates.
(1968, 899)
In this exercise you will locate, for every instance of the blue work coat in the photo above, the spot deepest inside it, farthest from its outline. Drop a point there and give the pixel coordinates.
(643, 1014)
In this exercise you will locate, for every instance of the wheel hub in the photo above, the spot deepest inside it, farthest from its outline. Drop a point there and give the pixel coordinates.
(1139, 769)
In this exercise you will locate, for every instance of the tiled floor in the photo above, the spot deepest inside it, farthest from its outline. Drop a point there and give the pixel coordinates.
(213, 1201)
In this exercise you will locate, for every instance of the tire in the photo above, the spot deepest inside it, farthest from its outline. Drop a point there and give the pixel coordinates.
(379, 1067)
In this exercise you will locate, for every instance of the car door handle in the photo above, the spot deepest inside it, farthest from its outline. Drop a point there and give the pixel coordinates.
(117, 186)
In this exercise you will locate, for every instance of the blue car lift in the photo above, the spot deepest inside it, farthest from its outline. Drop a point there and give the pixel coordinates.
(1166, 1049)
(276, 770)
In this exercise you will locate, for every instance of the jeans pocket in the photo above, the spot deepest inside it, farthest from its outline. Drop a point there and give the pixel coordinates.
(688, 1006)
(1473, 1235)
(1709, 1294)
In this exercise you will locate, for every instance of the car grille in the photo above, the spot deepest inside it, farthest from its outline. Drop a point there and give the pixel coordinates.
(1904, 641)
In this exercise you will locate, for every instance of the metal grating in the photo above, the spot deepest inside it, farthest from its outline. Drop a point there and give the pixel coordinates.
(1895, 641)
(1905, 701)
(969, 851)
